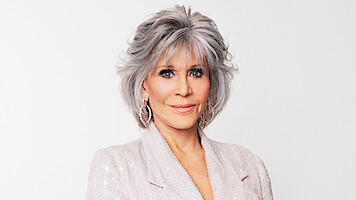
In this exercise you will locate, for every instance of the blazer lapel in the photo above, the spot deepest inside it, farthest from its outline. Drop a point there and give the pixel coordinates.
(164, 170)
(225, 179)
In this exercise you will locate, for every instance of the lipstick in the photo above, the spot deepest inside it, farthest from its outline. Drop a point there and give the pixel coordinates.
(183, 108)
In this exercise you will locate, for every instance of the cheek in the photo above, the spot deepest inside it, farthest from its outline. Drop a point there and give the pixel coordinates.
(203, 89)
(158, 89)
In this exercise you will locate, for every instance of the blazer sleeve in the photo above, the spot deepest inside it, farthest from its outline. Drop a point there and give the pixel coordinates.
(265, 182)
(103, 181)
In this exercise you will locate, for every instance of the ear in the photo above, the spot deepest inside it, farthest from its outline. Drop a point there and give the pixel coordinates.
(144, 91)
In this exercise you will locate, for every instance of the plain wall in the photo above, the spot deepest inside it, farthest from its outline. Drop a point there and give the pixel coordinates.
(293, 103)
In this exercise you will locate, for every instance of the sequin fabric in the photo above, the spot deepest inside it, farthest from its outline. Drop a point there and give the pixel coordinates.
(148, 169)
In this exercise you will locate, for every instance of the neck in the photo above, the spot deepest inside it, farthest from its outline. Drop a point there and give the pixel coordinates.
(180, 140)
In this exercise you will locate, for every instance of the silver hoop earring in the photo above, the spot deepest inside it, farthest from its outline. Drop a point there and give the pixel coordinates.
(145, 108)
(209, 111)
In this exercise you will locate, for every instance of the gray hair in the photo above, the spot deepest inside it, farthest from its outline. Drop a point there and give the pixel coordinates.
(163, 34)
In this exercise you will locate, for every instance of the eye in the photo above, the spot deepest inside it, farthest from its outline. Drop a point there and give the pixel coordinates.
(197, 72)
(166, 73)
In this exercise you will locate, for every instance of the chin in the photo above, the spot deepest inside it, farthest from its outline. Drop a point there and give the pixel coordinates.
(183, 124)
(179, 122)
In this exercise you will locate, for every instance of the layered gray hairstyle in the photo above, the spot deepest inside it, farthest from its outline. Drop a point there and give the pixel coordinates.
(164, 34)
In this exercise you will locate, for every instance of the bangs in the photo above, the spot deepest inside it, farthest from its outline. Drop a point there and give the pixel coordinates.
(190, 46)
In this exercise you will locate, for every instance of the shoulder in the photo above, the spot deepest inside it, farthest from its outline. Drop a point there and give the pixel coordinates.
(120, 153)
(109, 171)
(234, 152)
(127, 148)
(240, 158)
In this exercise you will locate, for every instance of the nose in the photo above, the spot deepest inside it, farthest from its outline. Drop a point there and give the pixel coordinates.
(183, 88)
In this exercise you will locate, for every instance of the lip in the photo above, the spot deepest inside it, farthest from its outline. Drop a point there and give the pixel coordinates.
(183, 108)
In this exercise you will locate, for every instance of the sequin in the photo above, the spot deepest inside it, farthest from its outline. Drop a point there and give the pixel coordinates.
(148, 169)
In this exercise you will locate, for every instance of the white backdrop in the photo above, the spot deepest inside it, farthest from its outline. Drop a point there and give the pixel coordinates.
(293, 103)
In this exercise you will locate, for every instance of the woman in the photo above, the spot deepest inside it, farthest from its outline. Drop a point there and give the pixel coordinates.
(176, 79)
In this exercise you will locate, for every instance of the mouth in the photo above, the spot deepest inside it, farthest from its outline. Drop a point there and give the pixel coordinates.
(183, 108)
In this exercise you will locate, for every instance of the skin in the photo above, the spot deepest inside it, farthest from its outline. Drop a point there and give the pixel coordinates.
(181, 83)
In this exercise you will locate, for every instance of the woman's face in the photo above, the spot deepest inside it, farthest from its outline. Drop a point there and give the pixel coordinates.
(177, 91)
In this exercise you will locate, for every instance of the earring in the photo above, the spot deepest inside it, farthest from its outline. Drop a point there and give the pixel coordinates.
(145, 109)
(209, 111)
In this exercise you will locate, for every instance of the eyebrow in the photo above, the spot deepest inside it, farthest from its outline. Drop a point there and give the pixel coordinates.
(172, 67)
(198, 65)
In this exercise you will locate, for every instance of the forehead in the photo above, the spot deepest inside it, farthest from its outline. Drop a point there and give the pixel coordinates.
(181, 56)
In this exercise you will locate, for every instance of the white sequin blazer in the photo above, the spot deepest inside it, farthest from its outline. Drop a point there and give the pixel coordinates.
(148, 169)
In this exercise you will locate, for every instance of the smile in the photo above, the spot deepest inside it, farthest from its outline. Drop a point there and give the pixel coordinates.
(183, 108)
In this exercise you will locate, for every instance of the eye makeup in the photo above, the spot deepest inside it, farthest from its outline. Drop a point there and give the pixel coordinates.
(196, 72)
(166, 73)
(169, 71)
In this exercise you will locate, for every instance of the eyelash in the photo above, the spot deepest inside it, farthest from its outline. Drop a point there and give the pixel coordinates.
(168, 73)
(199, 71)
(164, 73)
